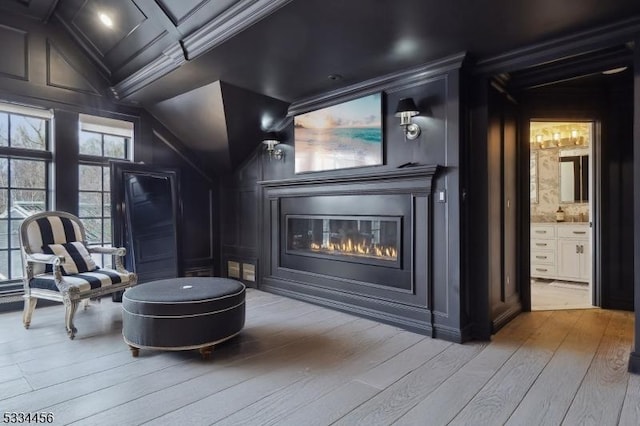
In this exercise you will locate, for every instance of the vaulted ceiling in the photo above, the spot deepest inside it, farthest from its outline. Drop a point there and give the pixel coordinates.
(160, 53)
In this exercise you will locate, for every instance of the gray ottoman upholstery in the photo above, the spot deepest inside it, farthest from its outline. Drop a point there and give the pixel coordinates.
(182, 313)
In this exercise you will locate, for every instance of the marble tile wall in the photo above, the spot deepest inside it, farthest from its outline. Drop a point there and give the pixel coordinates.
(549, 193)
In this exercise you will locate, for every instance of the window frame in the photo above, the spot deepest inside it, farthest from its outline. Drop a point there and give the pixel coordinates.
(12, 286)
(104, 130)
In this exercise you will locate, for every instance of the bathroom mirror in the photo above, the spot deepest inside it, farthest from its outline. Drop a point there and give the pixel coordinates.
(574, 177)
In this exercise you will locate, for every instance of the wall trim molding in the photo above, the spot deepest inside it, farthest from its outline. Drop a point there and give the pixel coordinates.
(389, 82)
(171, 59)
(408, 172)
(560, 48)
(231, 22)
(25, 35)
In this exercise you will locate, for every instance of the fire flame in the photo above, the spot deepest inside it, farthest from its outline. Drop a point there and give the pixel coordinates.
(349, 247)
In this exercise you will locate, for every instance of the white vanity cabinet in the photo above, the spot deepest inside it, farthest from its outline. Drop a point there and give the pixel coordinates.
(574, 252)
(561, 251)
(543, 250)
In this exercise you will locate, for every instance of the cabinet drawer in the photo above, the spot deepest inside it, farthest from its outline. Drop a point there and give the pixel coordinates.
(543, 231)
(543, 244)
(573, 231)
(543, 270)
(543, 257)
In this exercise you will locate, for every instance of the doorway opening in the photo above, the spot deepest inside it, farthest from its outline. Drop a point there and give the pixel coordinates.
(562, 214)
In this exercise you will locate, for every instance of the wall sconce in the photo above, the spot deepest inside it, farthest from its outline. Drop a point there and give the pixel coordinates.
(271, 140)
(407, 109)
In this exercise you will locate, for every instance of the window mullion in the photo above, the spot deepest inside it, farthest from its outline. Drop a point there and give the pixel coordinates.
(111, 145)
(27, 156)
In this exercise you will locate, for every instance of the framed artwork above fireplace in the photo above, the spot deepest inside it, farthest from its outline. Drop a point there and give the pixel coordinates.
(341, 136)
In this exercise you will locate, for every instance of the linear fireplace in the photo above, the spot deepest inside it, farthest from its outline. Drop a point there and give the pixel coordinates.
(359, 243)
(359, 239)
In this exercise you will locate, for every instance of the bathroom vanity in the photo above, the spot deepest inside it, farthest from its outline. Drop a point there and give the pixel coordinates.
(561, 251)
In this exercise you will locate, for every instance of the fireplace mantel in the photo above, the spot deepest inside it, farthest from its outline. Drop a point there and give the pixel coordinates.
(360, 176)
(398, 293)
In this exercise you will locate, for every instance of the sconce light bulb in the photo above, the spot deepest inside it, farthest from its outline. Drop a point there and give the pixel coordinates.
(273, 153)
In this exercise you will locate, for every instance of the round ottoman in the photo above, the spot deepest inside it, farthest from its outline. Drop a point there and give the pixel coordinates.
(182, 313)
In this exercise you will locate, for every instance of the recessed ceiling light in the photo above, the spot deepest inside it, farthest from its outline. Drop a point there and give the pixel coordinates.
(105, 19)
(614, 70)
(334, 77)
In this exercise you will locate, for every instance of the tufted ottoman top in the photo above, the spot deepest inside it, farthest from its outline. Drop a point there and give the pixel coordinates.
(183, 296)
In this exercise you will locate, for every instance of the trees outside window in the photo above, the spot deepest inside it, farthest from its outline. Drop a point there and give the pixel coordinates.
(99, 142)
(25, 159)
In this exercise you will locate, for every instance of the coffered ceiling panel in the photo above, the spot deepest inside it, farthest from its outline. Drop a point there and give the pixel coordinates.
(189, 15)
(40, 9)
(125, 15)
(135, 37)
(178, 10)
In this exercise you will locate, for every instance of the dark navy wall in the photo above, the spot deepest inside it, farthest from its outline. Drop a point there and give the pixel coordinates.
(43, 67)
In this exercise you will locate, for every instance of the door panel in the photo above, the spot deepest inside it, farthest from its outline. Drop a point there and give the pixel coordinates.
(502, 187)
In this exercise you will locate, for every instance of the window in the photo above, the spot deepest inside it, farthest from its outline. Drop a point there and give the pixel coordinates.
(101, 139)
(25, 161)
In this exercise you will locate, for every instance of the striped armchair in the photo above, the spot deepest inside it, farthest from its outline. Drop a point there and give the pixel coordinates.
(58, 265)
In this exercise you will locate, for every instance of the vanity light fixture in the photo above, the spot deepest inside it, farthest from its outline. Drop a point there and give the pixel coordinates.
(406, 110)
(271, 140)
(537, 143)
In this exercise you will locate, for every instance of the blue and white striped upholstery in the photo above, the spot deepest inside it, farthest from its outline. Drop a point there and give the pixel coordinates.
(85, 281)
(47, 231)
(51, 230)
(76, 257)
(58, 240)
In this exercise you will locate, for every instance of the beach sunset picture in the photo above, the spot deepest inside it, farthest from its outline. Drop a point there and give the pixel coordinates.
(341, 136)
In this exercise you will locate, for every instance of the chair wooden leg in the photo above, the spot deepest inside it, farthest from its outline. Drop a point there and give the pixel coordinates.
(85, 304)
(29, 307)
(70, 312)
(205, 352)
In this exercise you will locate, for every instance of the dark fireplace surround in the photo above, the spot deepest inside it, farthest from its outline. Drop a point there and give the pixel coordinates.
(358, 243)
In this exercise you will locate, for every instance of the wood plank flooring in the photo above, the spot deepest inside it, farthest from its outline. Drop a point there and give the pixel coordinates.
(554, 295)
(300, 364)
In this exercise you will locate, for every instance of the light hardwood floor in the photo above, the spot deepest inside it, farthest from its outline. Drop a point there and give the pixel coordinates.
(555, 295)
(300, 364)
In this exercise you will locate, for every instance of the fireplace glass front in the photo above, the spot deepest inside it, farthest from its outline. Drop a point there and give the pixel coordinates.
(359, 239)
